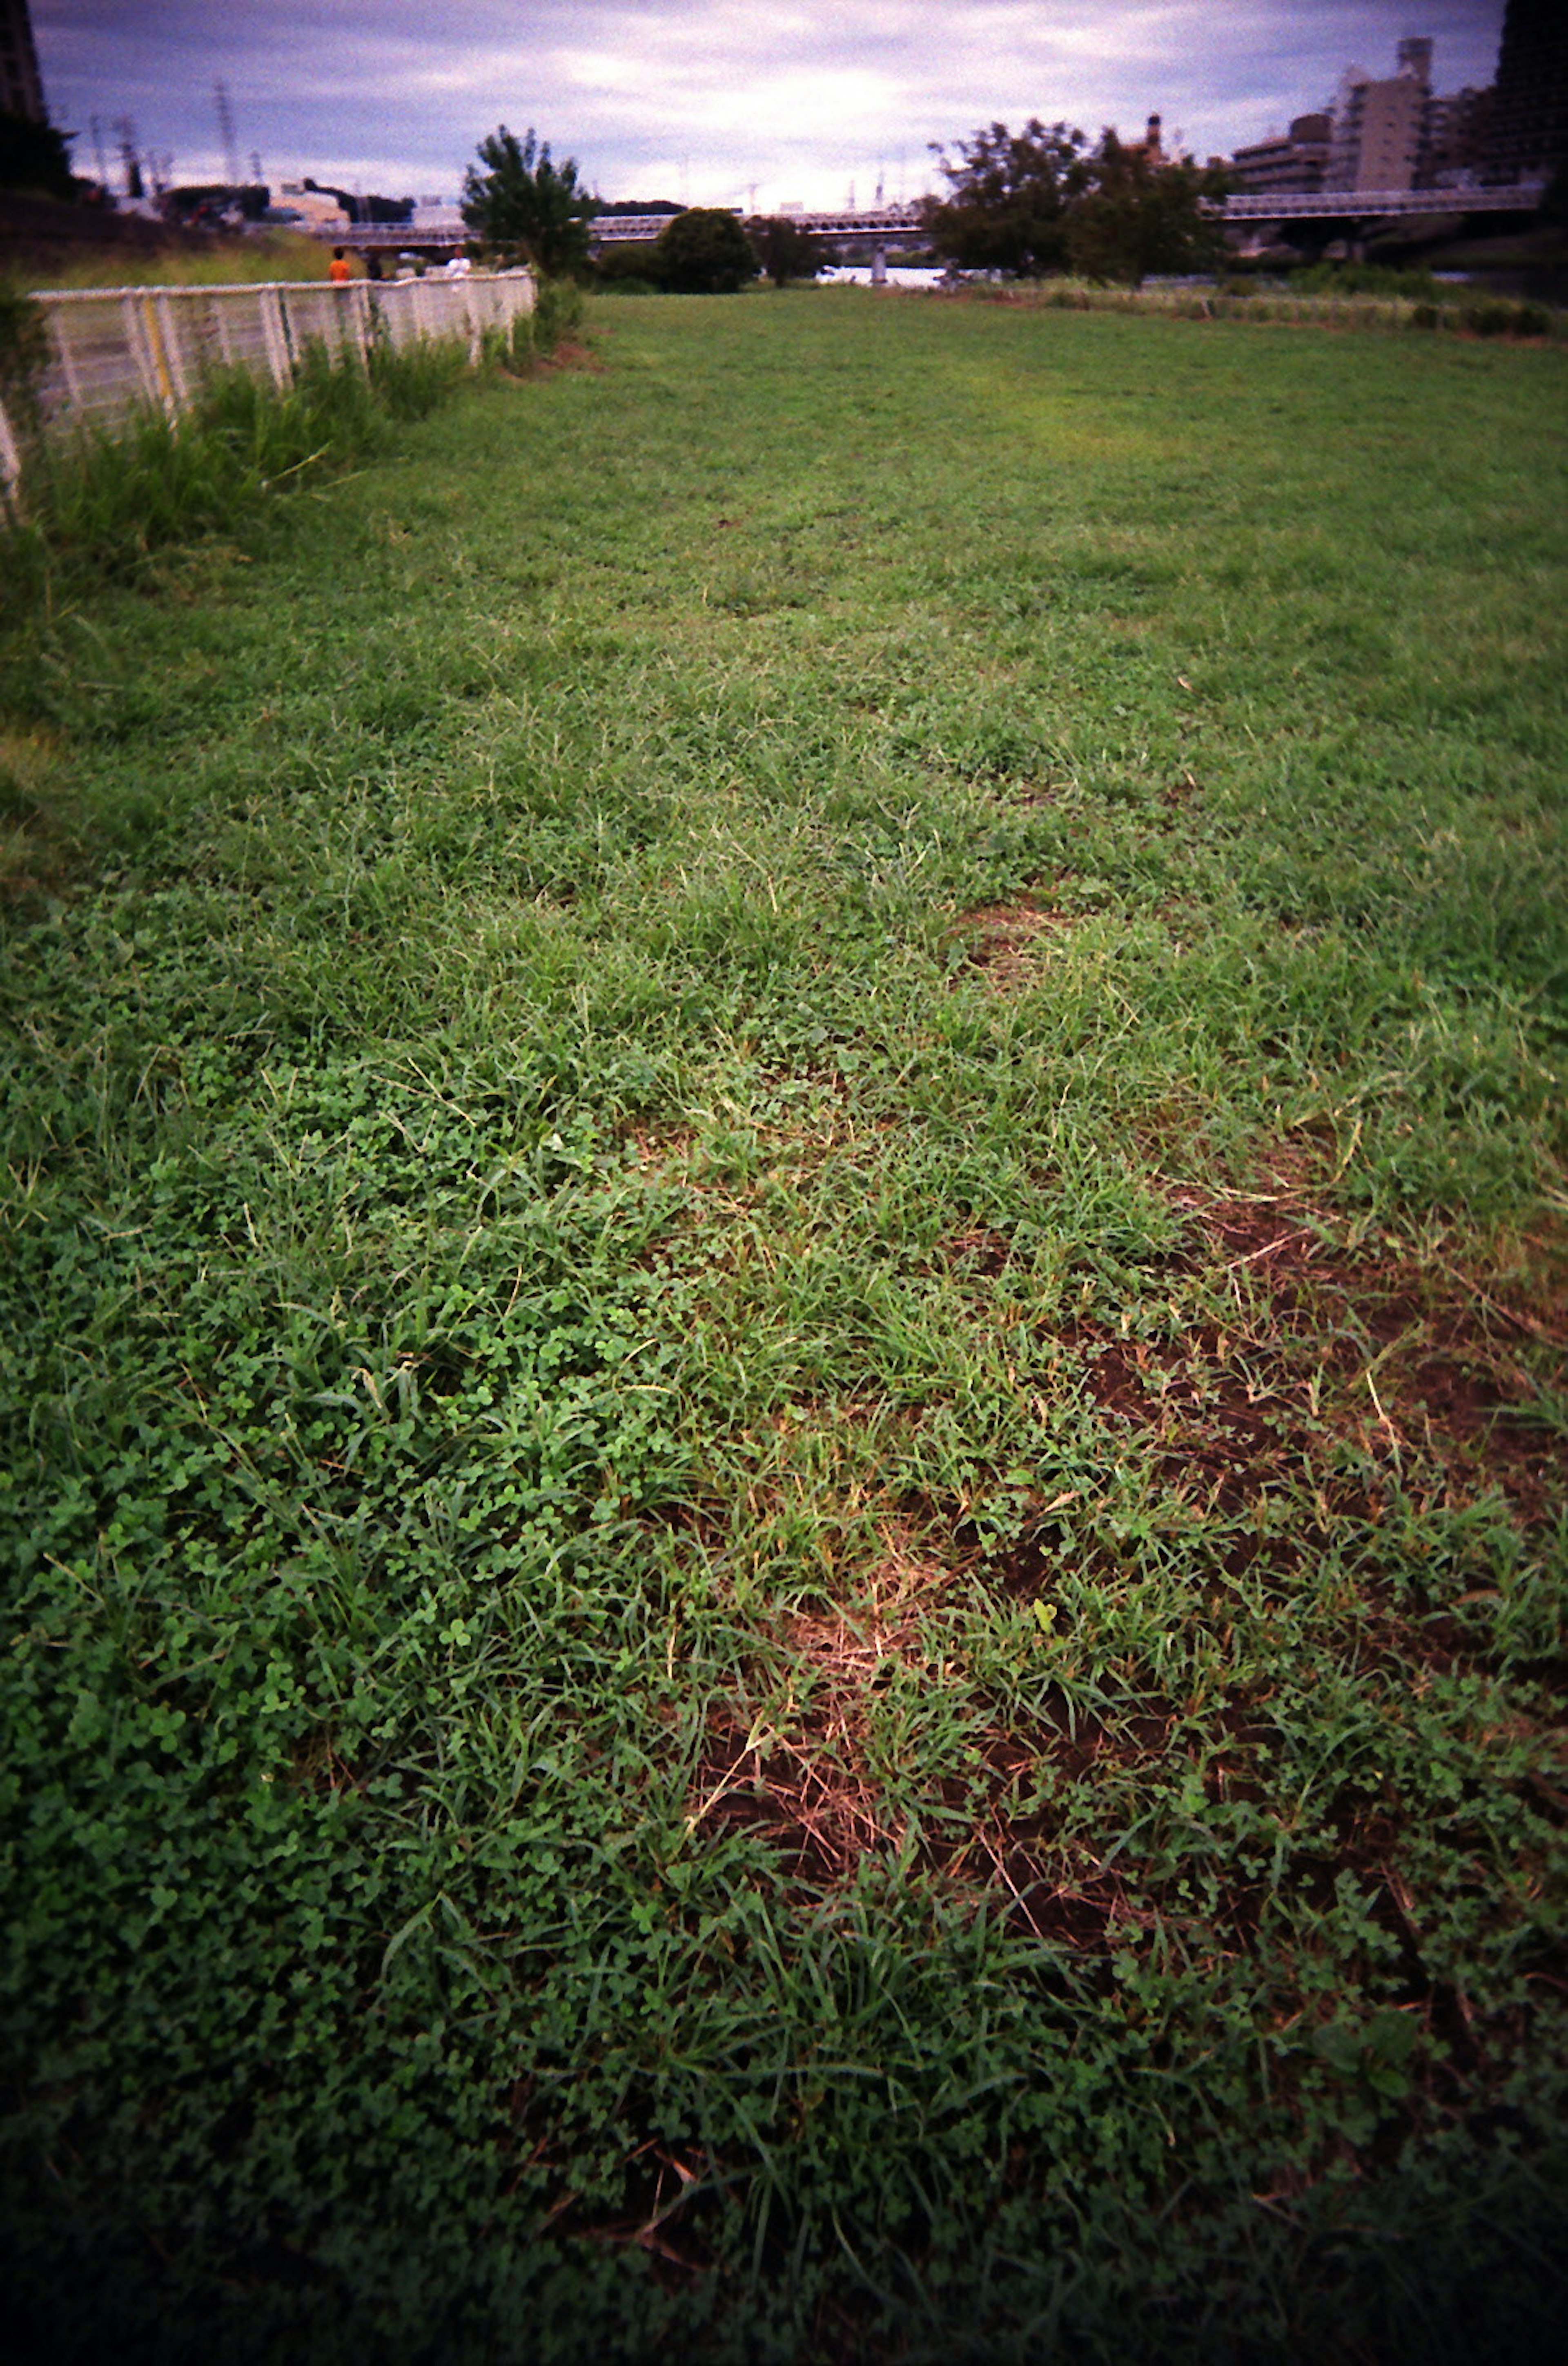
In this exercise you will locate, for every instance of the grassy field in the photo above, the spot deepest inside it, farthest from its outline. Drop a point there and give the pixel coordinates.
(781, 1322)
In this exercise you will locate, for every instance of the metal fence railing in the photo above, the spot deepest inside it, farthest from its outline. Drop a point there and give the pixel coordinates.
(111, 349)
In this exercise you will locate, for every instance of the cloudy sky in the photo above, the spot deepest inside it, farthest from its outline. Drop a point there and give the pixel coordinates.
(706, 101)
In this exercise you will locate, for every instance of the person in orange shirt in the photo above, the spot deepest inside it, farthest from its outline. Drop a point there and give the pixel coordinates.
(342, 270)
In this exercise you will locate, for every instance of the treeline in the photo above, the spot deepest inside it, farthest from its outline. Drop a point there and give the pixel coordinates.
(1042, 200)
(1028, 203)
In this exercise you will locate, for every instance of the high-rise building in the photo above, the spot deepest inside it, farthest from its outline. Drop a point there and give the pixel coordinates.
(1413, 58)
(1380, 127)
(21, 86)
(1528, 135)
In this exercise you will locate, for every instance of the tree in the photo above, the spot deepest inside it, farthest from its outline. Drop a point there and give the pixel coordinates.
(34, 157)
(704, 252)
(526, 201)
(1009, 197)
(1142, 212)
(786, 250)
(1036, 200)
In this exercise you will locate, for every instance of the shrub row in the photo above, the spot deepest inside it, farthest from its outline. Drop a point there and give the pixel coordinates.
(1492, 317)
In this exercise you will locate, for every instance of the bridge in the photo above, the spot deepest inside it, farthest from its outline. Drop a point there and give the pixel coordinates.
(895, 225)
(906, 225)
(1379, 204)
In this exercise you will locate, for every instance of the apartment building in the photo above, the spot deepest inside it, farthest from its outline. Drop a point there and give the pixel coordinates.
(1528, 136)
(1379, 128)
(1288, 161)
(21, 87)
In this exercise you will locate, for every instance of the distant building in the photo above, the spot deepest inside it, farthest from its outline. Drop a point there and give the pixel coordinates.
(1458, 141)
(317, 209)
(21, 86)
(1527, 138)
(1293, 160)
(1379, 128)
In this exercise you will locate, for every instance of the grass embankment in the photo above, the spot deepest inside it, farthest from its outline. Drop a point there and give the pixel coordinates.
(263, 257)
(786, 1443)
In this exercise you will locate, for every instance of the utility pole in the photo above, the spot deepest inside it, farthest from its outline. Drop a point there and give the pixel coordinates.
(126, 128)
(96, 126)
(226, 131)
(256, 168)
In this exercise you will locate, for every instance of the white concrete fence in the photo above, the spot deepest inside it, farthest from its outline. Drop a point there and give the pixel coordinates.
(112, 349)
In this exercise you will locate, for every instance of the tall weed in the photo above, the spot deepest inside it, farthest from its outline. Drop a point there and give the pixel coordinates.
(557, 309)
(410, 381)
(99, 504)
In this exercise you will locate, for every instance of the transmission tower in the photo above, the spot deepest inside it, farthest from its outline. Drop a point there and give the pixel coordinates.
(125, 129)
(226, 131)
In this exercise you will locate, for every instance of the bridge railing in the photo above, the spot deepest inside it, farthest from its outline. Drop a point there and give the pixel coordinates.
(1283, 204)
(111, 349)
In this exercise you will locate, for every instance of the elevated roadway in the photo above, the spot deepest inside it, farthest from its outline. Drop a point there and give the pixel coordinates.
(895, 225)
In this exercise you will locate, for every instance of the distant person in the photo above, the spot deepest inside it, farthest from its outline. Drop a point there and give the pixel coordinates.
(372, 264)
(341, 269)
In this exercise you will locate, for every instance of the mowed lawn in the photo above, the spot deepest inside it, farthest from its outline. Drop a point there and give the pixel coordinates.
(780, 1325)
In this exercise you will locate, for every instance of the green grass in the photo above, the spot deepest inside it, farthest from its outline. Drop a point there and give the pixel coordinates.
(782, 1341)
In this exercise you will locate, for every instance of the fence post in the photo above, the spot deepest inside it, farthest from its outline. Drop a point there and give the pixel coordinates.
(162, 387)
(10, 459)
(167, 316)
(274, 335)
(136, 346)
(61, 345)
(360, 313)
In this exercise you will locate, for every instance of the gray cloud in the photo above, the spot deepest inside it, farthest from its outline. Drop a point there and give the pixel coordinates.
(706, 97)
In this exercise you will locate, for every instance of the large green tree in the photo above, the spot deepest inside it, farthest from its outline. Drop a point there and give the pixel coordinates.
(1040, 200)
(786, 250)
(1009, 192)
(35, 157)
(523, 201)
(704, 252)
(1143, 211)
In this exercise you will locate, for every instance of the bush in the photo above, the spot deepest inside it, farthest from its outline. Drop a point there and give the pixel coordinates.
(23, 350)
(1493, 318)
(1365, 279)
(558, 307)
(636, 262)
(704, 252)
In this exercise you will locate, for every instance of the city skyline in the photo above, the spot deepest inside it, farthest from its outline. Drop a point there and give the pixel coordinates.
(716, 101)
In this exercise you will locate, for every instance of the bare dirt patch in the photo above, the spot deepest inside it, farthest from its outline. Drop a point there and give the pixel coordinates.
(800, 1776)
(1006, 940)
(982, 1249)
(1405, 1362)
